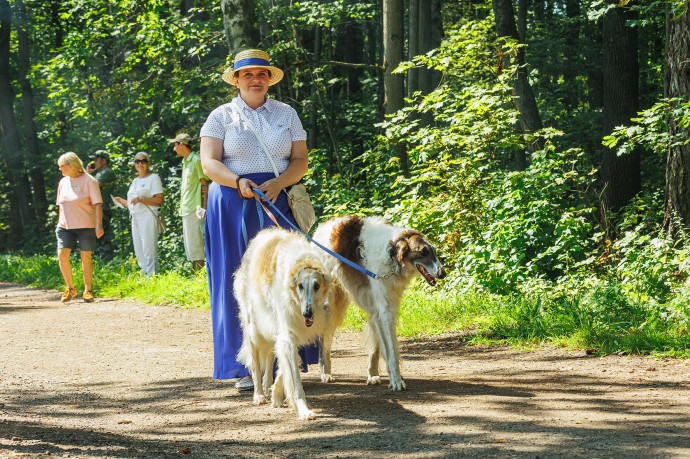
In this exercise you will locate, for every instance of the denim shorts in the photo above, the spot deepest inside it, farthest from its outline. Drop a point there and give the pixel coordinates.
(67, 238)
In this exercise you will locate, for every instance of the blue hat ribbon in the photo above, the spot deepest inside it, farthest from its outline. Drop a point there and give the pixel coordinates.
(250, 61)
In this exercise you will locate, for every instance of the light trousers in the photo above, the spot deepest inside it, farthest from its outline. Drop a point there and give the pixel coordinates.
(193, 237)
(145, 238)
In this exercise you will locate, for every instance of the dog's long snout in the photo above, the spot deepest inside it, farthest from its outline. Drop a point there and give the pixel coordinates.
(307, 312)
(308, 293)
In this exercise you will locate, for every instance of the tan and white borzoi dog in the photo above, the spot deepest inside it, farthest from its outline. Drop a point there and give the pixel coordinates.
(396, 255)
(283, 293)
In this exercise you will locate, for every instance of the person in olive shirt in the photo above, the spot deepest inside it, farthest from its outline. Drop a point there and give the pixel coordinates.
(192, 197)
(99, 168)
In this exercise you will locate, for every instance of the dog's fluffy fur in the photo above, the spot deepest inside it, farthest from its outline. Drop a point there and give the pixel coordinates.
(396, 255)
(283, 291)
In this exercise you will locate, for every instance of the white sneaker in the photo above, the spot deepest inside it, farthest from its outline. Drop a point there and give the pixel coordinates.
(244, 384)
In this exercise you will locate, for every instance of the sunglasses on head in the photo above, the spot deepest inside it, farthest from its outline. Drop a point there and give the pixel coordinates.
(141, 161)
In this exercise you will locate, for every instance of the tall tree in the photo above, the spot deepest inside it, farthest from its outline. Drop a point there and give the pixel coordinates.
(572, 35)
(20, 190)
(620, 175)
(424, 35)
(530, 120)
(678, 162)
(28, 103)
(392, 55)
(412, 45)
(239, 22)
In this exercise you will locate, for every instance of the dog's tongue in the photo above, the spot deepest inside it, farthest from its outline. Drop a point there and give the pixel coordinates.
(431, 280)
(308, 321)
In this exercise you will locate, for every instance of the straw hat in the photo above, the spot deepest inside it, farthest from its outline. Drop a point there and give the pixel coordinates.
(253, 58)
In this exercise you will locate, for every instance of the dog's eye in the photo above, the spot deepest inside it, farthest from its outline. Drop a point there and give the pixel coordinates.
(300, 286)
(317, 286)
(425, 251)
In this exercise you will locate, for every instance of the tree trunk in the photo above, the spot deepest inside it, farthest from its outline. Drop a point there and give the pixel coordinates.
(57, 24)
(620, 174)
(314, 109)
(530, 120)
(31, 133)
(353, 52)
(595, 78)
(678, 163)
(572, 35)
(425, 44)
(20, 191)
(413, 46)
(522, 20)
(436, 36)
(392, 55)
(239, 23)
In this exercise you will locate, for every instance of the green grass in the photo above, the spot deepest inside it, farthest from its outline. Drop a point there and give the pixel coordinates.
(596, 315)
(116, 279)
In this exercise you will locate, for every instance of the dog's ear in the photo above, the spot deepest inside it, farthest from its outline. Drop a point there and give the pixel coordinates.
(326, 279)
(399, 250)
(294, 279)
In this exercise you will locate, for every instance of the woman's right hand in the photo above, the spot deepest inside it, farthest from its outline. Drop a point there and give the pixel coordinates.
(245, 188)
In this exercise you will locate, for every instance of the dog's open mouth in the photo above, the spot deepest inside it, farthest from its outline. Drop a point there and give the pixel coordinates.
(431, 280)
(308, 321)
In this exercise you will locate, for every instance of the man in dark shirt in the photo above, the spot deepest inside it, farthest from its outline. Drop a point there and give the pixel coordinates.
(100, 169)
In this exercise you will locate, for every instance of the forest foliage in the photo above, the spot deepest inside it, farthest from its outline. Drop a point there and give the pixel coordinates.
(126, 76)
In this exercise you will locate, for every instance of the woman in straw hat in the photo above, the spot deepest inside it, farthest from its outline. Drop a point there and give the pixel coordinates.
(233, 158)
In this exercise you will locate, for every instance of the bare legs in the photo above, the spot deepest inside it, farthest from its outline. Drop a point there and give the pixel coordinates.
(66, 267)
(87, 269)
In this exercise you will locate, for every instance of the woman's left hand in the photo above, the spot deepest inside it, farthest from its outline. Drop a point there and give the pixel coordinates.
(99, 231)
(271, 188)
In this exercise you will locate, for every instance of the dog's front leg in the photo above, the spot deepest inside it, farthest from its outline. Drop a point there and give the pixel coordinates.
(388, 340)
(288, 362)
(325, 357)
(372, 344)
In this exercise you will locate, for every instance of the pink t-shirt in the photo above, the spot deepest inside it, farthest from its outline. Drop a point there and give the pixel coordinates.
(76, 198)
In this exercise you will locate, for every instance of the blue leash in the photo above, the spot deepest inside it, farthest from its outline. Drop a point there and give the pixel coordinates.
(310, 239)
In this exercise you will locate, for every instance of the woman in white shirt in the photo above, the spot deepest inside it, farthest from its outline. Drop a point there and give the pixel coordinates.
(144, 198)
(232, 157)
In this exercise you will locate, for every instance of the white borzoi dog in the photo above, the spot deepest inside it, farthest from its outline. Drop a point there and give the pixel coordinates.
(396, 255)
(282, 290)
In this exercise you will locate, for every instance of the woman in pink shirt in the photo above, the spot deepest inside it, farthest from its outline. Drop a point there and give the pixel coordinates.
(80, 219)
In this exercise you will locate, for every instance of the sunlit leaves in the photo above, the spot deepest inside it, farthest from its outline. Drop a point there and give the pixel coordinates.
(651, 128)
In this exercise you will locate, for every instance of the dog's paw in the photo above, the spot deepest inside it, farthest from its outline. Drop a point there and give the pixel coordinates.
(306, 415)
(277, 402)
(326, 378)
(277, 395)
(303, 411)
(373, 380)
(397, 385)
(260, 399)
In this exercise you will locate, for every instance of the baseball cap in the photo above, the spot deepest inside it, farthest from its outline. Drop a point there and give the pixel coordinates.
(182, 138)
(102, 154)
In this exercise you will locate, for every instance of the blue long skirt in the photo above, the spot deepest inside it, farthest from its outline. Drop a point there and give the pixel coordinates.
(225, 243)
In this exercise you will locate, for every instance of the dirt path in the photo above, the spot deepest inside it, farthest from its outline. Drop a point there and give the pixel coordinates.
(116, 379)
